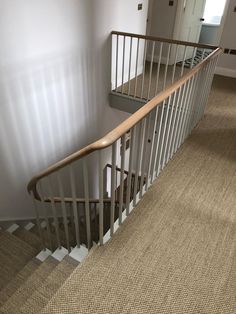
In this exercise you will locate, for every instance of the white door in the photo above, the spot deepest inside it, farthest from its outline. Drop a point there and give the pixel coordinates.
(188, 23)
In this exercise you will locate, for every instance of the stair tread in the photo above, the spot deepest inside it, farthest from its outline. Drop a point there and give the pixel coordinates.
(54, 281)
(62, 236)
(28, 237)
(14, 255)
(18, 280)
(29, 286)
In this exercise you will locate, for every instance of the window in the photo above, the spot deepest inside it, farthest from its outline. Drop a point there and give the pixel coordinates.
(214, 11)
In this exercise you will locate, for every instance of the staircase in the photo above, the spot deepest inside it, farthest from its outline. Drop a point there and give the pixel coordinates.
(78, 202)
(29, 277)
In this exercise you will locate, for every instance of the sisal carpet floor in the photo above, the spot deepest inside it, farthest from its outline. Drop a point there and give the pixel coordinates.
(176, 253)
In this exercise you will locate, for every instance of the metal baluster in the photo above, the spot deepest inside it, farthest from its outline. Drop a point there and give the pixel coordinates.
(203, 54)
(210, 77)
(87, 207)
(35, 204)
(123, 66)
(193, 57)
(166, 67)
(54, 212)
(136, 69)
(178, 143)
(144, 67)
(144, 159)
(202, 87)
(175, 62)
(74, 204)
(183, 62)
(151, 68)
(130, 62)
(155, 164)
(45, 216)
(179, 116)
(165, 160)
(101, 204)
(174, 126)
(64, 213)
(113, 187)
(192, 102)
(132, 143)
(152, 148)
(158, 68)
(164, 134)
(121, 196)
(140, 157)
(186, 110)
(117, 59)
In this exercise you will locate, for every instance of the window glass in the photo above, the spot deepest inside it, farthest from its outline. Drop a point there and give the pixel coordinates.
(214, 10)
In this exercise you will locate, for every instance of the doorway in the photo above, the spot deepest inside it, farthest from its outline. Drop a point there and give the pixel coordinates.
(214, 18)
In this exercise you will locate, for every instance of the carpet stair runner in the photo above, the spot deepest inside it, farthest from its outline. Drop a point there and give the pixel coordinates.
(28, 281)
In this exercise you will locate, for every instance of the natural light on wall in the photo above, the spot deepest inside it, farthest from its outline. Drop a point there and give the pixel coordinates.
(214, 11)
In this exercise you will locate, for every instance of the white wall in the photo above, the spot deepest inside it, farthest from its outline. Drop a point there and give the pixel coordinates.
(54, 84)
(227, 63)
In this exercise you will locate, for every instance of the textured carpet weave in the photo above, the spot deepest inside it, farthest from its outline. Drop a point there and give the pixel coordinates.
(176, 253)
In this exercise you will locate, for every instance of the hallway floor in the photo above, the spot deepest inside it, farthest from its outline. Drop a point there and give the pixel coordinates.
(176, 252)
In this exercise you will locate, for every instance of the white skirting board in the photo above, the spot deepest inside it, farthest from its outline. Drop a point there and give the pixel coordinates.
(225, 72)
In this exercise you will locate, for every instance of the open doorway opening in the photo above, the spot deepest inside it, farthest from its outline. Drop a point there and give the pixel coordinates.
(214, 18)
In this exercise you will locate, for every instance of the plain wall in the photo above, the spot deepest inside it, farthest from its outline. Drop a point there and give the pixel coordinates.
(227, 63)
(54, 84)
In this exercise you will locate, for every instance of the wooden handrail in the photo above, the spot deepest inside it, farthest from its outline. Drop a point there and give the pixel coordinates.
(123, 128)
(165, 40)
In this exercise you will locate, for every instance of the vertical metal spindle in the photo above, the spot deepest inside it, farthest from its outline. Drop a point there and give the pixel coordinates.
(144, 157)
(64, 213)
(54, 212)
(136, 68)
(121, 196)
(148, 181)
(193, 57)
(74, 204)
(155, 164)
(159, 68)
(140, 157)
(87, 207)
(165, 160)
(144, 67)
(40, 189)
(113, 187)
(130, 63)
(185, 111)
(151, 67)
(183, 62)
(188, 107)
(174, 125)
(101, 203)
(164, 133)
(117, 60)
(35, 204)
(175, 62)
(132, 143)
(123, 66)
(203, 54)
(166, 67)
(178, 138)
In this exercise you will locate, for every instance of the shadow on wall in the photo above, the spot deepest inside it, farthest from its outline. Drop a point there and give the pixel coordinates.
(47, 112)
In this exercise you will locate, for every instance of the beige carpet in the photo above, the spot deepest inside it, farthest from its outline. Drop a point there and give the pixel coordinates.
(176, 253)
(14, 255)
(150, 78)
